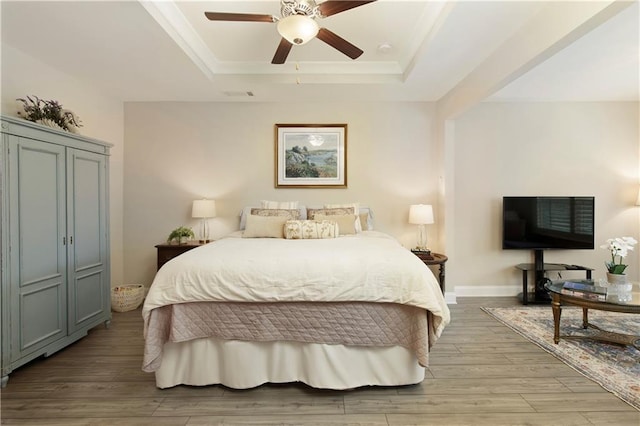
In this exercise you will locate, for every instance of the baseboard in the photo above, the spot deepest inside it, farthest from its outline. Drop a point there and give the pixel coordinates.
(450, 297)
(487, 291)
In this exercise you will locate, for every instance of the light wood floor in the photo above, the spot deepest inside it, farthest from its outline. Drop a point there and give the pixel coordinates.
(481, 373)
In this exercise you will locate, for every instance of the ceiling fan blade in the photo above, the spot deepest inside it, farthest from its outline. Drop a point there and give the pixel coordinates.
(282, 52)
(246, 17)
(331, 7)
(337, 42)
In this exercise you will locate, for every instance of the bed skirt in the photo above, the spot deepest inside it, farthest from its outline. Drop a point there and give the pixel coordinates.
(242, 364)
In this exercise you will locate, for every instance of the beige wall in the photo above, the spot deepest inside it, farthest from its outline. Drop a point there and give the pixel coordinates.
(102, 118)
(178, 152)
(540, 149)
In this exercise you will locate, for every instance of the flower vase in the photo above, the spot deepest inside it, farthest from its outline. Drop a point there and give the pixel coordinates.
(616, 278)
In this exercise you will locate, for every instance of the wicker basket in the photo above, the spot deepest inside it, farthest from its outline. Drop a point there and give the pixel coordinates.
(126, 297)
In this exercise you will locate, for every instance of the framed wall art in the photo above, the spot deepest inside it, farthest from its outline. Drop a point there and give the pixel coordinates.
(311, 155)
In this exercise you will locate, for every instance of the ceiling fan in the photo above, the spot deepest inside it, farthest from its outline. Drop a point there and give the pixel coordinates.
(298, 25)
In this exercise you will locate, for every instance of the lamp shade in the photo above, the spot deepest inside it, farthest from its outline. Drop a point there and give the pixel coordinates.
(638, 199)
(298, 29)
(203, 208)
(421, 214)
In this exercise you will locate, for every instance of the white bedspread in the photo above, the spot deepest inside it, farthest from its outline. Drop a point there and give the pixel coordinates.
(368, 267)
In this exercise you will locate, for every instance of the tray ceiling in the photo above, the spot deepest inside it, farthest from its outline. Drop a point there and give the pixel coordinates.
(413, 50)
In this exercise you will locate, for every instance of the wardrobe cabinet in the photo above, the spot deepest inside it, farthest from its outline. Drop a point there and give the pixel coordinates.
(54, 240)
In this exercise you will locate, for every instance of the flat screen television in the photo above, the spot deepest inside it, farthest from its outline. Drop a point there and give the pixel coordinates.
(546, 223)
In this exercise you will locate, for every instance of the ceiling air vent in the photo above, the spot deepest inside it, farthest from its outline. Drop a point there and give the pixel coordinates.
(237, 93)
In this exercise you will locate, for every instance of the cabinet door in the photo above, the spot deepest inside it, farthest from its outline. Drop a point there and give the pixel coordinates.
(89, 297)
(38, 289)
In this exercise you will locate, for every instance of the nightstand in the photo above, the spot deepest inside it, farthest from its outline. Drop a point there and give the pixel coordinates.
(167, 251)
(431, 258)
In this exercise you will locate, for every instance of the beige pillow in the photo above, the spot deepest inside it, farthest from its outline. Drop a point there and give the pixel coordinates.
(291, 214)
(310, 229)
(356, 211)
(346, 222)
(289, 205)
(264, 226)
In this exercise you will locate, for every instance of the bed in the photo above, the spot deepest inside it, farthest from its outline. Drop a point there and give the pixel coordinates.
(334, 313)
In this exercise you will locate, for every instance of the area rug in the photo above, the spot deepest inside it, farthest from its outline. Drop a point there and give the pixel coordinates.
(615, 368)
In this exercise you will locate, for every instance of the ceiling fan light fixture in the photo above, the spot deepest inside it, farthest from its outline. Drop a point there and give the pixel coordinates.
(298, 29)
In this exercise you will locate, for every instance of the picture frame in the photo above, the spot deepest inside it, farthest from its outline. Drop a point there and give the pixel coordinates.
(310, 155)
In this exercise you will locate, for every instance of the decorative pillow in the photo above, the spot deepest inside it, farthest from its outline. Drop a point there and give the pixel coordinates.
(346, 222)
(354, 206)
(246, 211)
(356, 210)
(293, 214)
(311, 213)
(288, 205)
(264, 226)
(310, 229)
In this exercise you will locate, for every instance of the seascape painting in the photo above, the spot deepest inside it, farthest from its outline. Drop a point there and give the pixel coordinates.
(310, 156)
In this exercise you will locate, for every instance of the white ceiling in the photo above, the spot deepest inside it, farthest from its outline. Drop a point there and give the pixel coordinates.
(169, 51)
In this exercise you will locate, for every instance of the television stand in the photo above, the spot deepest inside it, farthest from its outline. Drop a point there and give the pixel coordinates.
(527, 267)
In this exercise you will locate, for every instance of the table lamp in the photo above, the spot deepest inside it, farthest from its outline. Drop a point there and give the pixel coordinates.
(421, 215)
(204, 209)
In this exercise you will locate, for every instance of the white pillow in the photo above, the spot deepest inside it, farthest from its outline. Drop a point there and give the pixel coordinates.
(366, 218)
(264, 226)
(288, 205)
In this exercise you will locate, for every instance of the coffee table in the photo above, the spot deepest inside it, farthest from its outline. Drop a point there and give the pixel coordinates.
(626, 302)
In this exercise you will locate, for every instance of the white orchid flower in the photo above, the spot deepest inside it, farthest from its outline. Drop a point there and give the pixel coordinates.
(619, 248)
